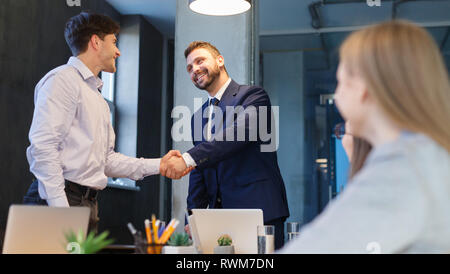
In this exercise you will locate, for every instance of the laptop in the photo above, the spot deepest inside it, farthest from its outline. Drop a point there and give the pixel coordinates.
(41, 229)
(207, 225)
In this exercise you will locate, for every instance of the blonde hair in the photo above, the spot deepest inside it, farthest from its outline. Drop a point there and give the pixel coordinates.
(405, 73)
(361, 149)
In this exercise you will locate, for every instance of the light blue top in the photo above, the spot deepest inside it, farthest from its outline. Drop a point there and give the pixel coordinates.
(398, 203)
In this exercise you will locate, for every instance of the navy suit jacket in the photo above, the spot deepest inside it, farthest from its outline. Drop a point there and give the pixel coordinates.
(238, 171)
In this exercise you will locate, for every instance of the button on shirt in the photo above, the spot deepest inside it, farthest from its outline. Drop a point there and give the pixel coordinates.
(71, 136)
(186, 156)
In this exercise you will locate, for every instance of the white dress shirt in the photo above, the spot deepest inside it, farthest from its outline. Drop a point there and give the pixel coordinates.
(71, 136)
(186, 156)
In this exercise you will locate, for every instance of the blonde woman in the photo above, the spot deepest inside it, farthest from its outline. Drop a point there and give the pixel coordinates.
(394, 90)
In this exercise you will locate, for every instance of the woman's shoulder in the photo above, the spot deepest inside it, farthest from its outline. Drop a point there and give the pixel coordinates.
(412, 158)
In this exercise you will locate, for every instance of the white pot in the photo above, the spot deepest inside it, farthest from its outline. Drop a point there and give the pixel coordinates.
(179, 249)
(228, 249)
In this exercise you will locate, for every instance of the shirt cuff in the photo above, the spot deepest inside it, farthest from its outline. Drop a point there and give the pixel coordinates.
(152, 166)
(188, 160)
(58, 202)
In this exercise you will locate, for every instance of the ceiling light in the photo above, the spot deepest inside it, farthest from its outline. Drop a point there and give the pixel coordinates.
(220, 7)
(322, 161)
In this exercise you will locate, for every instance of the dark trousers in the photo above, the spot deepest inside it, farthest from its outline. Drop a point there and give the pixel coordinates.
(279, 231)
(77, 195)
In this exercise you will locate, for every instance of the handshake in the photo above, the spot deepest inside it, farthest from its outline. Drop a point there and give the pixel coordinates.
(173, 165)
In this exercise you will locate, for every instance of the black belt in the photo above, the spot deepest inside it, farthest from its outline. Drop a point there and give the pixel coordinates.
(86, 192)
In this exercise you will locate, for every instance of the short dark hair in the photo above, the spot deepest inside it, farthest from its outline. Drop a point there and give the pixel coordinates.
(80, 28)
(201, 44)
(205, 45)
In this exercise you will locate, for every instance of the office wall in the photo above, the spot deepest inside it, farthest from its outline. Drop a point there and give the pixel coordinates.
(138, 129)
(31, 44)
(232, 36)
(283, 81)
(303, 135)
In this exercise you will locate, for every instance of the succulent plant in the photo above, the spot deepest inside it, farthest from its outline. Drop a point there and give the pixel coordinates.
(179, 239)
(224, 240)
(78, 244)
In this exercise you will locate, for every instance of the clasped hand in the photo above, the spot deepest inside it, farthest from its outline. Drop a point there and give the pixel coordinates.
(173, 165)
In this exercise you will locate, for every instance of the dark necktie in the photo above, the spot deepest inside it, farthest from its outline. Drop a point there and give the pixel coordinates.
(214, 102)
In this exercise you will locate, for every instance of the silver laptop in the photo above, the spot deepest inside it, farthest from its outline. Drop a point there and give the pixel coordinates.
(208, 225)
(41, 229)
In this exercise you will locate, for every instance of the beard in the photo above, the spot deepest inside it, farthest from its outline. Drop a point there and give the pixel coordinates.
(211, 75)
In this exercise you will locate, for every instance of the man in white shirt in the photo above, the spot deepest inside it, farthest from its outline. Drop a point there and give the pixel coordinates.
(71, 150)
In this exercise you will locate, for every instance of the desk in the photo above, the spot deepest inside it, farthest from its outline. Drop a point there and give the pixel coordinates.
(118, 249)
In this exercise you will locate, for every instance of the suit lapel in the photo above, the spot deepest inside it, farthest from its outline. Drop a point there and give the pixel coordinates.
(229, 95)
(228, 99)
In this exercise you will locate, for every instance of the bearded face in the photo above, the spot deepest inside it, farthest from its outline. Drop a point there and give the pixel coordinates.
(203, 68)
(204, 78)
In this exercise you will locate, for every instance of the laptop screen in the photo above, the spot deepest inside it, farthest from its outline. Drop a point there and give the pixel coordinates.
(240, 224)
(42, 229)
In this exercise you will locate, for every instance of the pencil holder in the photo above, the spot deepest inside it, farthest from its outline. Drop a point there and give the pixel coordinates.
(145, 248)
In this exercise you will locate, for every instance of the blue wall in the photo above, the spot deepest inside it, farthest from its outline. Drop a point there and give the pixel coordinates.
(342, 166)
(283, 81)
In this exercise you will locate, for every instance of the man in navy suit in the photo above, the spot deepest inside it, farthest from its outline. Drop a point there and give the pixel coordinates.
(232, 168)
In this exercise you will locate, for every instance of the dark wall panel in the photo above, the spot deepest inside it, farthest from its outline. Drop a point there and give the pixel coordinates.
(31, 44)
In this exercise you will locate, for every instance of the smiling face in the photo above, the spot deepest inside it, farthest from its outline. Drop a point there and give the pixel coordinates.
(204, 69)
(108, 53)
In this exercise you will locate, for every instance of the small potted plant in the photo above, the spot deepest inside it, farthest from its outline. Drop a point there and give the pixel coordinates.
(224, 245)
(179, 243)
(79, 244)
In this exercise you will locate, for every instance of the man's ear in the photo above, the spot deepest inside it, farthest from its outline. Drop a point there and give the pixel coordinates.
(95, 41)
(220, 61)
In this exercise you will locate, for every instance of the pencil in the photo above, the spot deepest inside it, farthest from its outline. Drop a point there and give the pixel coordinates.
(147, 231)
(170, 229)
(167, 229)
(155, 230)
